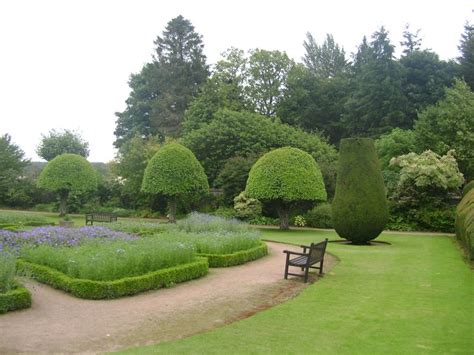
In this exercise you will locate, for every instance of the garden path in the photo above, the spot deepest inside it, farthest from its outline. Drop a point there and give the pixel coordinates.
(58, 322)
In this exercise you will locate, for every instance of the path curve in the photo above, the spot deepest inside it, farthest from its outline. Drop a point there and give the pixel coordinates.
(58, 322)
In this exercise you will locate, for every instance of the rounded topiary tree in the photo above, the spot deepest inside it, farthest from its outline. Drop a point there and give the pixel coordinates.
(174, 172)
(66, 174)
(288, 178)
(359, 209)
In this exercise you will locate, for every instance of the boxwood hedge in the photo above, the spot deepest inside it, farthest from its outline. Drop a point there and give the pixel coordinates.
(464, 224)
(127, 286)
(237, 258)
(18, 297)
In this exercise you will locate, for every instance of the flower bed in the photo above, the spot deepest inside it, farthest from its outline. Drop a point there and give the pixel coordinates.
(57, 236)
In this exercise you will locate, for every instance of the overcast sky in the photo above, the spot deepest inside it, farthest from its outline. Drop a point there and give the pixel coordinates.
(65, 64)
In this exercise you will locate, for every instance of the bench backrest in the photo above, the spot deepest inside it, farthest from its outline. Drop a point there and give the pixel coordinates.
(101, 216)
(316, 251)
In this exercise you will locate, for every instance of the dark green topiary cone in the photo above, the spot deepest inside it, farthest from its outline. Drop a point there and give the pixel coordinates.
(359, 209)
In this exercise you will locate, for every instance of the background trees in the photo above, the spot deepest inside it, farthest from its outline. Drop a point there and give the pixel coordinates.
(12, 164)
(162, 91)
(58, 142)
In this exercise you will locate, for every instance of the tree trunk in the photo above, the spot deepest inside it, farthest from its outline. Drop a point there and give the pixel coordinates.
(172, 206)
(283, 213)
(63, 203)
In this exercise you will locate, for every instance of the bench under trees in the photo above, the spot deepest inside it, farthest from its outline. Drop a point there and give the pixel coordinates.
(311, 255)
(100, 217)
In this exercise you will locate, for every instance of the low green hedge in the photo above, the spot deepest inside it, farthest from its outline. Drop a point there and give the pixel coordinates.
(127, 286)
(17, 298)
(237, 258)
(465, 223)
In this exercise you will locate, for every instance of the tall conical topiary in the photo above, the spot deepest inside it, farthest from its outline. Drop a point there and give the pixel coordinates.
(359, 209)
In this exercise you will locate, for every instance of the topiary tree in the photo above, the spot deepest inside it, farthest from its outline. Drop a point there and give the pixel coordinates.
(359, 209)
(66, 174)
(174, 172)
(288, 178)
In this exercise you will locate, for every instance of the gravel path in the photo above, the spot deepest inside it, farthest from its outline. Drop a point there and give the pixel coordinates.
(58, 322)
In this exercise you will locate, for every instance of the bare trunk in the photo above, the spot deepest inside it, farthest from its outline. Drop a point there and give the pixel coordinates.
(283, 213)
(63, 203)
(172, 206)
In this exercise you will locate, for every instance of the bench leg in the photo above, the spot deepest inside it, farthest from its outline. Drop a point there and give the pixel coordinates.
(321, 268)
(306, 274)
(286, 266)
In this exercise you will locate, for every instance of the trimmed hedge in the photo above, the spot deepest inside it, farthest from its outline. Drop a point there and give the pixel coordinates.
(359, 208)
(468, 187)
(464, 224)
(17, 298)
(237, 258)
(127, 286)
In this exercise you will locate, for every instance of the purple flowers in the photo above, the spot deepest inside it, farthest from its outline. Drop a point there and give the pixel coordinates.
(57, 236)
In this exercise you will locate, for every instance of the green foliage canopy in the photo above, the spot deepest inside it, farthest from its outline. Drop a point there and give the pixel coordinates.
(232, 134)
(173, 171)
(68, 172)
(450, 125)
(60, 142)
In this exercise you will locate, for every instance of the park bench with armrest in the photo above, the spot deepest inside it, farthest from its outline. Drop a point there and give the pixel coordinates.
(100, 217)
(306, 260)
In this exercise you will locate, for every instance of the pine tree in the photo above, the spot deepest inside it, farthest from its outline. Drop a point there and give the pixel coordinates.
(467, 55)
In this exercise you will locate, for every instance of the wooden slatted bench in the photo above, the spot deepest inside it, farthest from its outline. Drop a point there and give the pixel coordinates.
(306, 260)
(100, 217)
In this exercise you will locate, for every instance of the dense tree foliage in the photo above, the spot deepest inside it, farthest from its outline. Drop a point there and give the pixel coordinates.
(60, 142)
(68, 174)
(426, 178)
(12, 163)
(450, 125)
(232, 134)
(325, 61)
(162, 91)
(267, 73)
(377, 103)
(360, 210)
(466, 60)
(465, 223)
(286, 177)
(174, 172)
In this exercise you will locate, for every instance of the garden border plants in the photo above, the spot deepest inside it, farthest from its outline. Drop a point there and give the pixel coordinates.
(18, 297)
(127, 286)
(237, 258)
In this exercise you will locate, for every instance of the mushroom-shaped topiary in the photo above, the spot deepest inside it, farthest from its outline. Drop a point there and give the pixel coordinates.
(288, 178)
(65, 174)
(174, 172)
(359, 209)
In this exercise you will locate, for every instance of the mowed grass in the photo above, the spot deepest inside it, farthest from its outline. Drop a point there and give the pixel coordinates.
(414, 296)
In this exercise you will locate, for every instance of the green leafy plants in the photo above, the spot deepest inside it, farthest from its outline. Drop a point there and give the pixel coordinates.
(465, 223)
(174, 172)
(107, 261)
(287, 178)
(359, 209)
(66, 174)
(246, 207)
(320, 216)
(7, 271)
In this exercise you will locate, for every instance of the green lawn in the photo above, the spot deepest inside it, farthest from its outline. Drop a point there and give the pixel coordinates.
(413, 296)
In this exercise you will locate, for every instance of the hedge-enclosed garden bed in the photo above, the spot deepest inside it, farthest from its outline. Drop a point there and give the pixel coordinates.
(92, 289)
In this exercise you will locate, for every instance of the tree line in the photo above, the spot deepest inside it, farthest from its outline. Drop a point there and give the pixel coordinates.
(248, 103)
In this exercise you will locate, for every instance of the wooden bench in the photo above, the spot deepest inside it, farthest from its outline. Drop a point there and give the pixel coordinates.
(306, 260)
(100, 217)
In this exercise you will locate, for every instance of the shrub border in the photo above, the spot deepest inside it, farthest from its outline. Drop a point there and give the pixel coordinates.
(237, 258)
(17, 298)
(90, 289)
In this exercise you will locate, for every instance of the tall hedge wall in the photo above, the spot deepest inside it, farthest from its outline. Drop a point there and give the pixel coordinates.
(464, 224)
